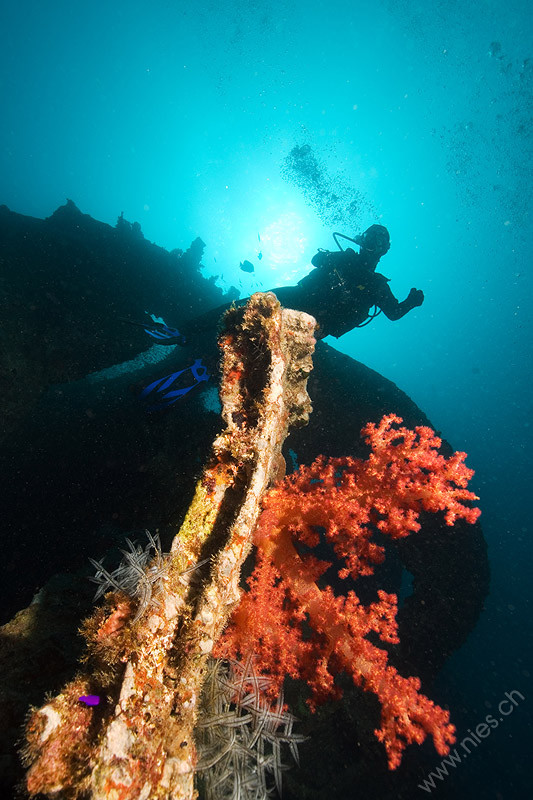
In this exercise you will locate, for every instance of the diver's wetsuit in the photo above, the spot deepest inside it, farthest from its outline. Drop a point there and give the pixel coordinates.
(341, 292)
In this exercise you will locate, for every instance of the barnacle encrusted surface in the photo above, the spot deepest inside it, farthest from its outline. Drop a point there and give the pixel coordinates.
(139, 743)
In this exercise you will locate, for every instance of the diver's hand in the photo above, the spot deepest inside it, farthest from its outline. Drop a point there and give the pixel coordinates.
(416, 297)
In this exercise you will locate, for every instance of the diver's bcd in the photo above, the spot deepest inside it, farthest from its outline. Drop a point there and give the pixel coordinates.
(376, 311)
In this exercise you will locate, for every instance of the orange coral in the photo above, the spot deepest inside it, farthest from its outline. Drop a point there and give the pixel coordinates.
(347, 499)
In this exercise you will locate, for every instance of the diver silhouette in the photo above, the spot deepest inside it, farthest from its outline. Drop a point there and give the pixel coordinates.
(345, 286)
(340, 292)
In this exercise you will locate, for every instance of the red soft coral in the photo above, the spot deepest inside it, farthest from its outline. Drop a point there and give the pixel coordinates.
(347, 498)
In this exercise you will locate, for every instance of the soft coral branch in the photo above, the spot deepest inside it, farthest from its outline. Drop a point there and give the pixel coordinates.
(348, 499)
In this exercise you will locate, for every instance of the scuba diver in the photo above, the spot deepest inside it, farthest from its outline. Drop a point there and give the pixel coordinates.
(340, 292)
(345, 286)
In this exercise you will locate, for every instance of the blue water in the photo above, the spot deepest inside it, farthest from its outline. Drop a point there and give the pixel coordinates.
(182, 117)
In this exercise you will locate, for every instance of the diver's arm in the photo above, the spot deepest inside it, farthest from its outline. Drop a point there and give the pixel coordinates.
(395, 310)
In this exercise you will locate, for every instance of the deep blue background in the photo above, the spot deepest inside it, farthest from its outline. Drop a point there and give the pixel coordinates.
(182, 116)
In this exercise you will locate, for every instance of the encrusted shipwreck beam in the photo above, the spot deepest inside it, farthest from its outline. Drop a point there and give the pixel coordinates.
(148, 668)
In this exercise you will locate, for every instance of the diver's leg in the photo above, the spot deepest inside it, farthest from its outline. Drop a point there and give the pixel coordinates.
(288, 296)
(205, 322)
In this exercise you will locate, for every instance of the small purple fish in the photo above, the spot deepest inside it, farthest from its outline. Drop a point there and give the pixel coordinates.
(89, 699)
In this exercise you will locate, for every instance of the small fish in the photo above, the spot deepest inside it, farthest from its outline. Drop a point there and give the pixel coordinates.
(247, 266)
(258, 237)
(89, 699)
(260, 256)
(294, 460)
